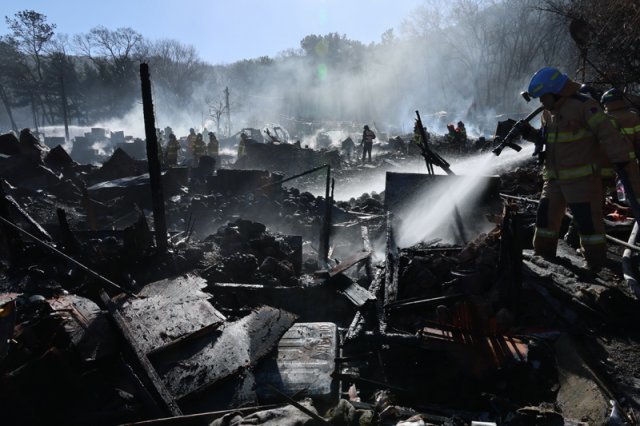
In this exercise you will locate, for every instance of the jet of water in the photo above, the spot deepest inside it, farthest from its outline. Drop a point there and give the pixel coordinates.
(431, 213)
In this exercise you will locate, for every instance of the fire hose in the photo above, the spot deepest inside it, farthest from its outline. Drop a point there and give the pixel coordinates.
(516, 131)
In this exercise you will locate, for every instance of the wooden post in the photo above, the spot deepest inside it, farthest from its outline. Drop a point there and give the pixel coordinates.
(328, 220)
(322, 249)
(155, 177)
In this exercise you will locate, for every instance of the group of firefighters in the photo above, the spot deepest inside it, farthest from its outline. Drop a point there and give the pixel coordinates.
(587, 141)
(195, 145)
(457, 135)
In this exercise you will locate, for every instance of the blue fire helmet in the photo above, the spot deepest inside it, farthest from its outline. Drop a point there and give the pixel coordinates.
(546, 80)
(611, 95)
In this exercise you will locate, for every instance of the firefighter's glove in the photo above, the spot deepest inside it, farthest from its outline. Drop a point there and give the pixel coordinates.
(525, 129)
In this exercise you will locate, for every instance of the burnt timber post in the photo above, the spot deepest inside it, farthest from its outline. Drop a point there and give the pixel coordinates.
(323, 245)
(155, 177)
(328, 219)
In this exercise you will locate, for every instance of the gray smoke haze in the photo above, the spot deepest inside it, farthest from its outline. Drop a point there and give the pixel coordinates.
(467, 61)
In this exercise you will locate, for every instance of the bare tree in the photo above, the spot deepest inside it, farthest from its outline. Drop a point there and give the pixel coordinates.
(119, 46)
(217, 109)
(114, 54)
(176, 67)
(611, 45)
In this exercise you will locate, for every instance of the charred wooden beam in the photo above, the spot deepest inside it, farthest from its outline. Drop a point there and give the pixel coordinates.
(369, 316)
(349, 262)
(422, 302)
(510, 259)
(42, 233)
(155, 175)
(391, 267)
(323, 250)
(281, 181)
(366, 245)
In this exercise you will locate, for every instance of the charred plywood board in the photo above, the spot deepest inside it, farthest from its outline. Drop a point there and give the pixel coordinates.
(86, 326)
(169, 309)
(225, 352)
(304, 361)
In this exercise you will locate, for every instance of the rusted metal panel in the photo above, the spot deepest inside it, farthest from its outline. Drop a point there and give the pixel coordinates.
(233, 348)
(169, 309)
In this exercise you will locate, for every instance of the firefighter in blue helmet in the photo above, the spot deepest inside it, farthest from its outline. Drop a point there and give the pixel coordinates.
(574, 128)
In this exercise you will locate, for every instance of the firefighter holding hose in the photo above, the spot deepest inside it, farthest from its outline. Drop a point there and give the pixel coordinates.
(574, 127)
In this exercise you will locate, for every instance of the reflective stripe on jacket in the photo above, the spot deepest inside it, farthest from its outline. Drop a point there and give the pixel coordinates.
(575, 131)
(628, 122)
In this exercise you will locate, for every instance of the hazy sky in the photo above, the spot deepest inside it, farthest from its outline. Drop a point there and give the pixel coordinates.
(224, 31)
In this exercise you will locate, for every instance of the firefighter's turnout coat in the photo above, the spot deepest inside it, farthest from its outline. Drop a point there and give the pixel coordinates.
(575, 130)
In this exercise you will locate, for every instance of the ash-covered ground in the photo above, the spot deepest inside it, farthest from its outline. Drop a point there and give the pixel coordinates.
(272, 304)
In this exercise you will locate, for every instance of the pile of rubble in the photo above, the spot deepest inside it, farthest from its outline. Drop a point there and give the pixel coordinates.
(271, 306)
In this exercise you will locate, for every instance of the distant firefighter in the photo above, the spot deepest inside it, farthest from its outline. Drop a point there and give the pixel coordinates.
(242, 145)
(213, 147)
(172, 150)
(452, 136)
(367, 142)
(191, 140)
(199, 149)
(462, 133)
